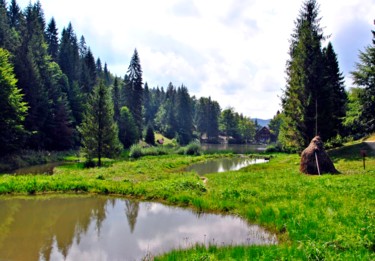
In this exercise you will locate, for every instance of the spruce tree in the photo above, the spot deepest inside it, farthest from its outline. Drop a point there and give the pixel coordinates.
(116, 97)
(13, 108)
(52, 39)
(68, 57)
(5, 29)
(335, 97)
(135, 88)
(31, 66)
(184, 116)
(364, 76)
(98, 129)
(302, 97)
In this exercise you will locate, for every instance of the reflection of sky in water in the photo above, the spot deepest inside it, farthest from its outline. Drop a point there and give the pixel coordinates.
(222, 165)
(158, 229)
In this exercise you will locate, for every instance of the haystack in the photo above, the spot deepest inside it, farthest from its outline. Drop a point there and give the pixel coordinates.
(315, 160)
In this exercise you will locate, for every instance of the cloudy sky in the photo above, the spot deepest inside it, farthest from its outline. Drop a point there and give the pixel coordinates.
(232, 50)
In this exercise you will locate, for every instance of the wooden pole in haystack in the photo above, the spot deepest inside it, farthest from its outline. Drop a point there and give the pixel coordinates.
(317, 163)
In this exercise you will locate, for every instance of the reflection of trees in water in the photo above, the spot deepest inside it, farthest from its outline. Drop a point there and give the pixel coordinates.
(36, 224)
(131, 211)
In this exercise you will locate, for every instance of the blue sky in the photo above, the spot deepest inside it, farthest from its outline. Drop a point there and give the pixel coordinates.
(234, 51)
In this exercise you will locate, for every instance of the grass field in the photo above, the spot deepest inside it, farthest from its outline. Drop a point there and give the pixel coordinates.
(329, 217)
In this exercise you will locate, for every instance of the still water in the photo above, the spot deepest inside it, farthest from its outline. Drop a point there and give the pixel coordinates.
(235, 148)
(104, 228)
(224, 164)
(47, 168)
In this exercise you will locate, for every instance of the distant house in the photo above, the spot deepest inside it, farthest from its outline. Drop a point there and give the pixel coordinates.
(263, 135)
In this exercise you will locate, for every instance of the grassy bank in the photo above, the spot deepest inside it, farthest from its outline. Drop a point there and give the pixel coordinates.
(316, 217)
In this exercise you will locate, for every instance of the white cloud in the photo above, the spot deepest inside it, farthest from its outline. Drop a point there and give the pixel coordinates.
(233, 51)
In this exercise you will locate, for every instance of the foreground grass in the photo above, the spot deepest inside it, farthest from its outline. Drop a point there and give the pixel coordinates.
(316, 217)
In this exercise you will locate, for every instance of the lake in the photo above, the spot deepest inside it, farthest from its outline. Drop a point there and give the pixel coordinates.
(106, 228)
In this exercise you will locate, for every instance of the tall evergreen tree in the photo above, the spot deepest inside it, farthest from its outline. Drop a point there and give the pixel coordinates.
(335, 97)
(98, 129)
(15, 15)
(135, 90)
(364, 76)
(58, 126)
(13, 108)
(184, 116)
(166, 116)
(107, 75)
(52, 39)
(69, 54)
(116, 98)
(88, 72)
(82, 47)
(31, 63)
(5, 29)
(301, 99)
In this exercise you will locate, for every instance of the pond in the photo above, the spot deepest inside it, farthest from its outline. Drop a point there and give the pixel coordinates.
(235, 148)
(105, 228)
(224, 164)
(39, 169)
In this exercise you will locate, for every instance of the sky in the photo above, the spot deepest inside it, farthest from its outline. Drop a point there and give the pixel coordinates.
(234, 51)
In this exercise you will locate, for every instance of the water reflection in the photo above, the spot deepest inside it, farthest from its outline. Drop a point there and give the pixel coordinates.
(224, 164)
(235, 148)
(95, 228)
(47, 168)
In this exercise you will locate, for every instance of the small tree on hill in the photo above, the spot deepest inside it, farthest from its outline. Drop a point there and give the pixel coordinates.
(150, 136)
(98, 129)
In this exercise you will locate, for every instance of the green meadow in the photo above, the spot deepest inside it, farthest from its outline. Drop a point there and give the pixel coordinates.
(328, 217)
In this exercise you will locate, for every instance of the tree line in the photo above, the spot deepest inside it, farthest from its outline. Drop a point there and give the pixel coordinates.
(314, 101)
(56, 96)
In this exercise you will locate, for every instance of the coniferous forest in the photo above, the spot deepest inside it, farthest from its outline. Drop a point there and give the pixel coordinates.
(56, 95)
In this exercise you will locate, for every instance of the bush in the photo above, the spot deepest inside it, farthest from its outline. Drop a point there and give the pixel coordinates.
(135, 151)
(193, 148)
(273, 148)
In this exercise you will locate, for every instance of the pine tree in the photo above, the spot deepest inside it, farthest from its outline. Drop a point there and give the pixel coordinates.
(116, 97)
(52, 39)
(301, 98)
(68, 57)
(88, 72)
(134, 85)
(5, 31)
(13, 108)
(98, 129)
(184, 116)
(31, 63)
(335, 97)
(166, 116)
(364, 76)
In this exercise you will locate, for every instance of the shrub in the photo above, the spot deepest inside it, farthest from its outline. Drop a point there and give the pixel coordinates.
(135, 151)
(193, 148)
